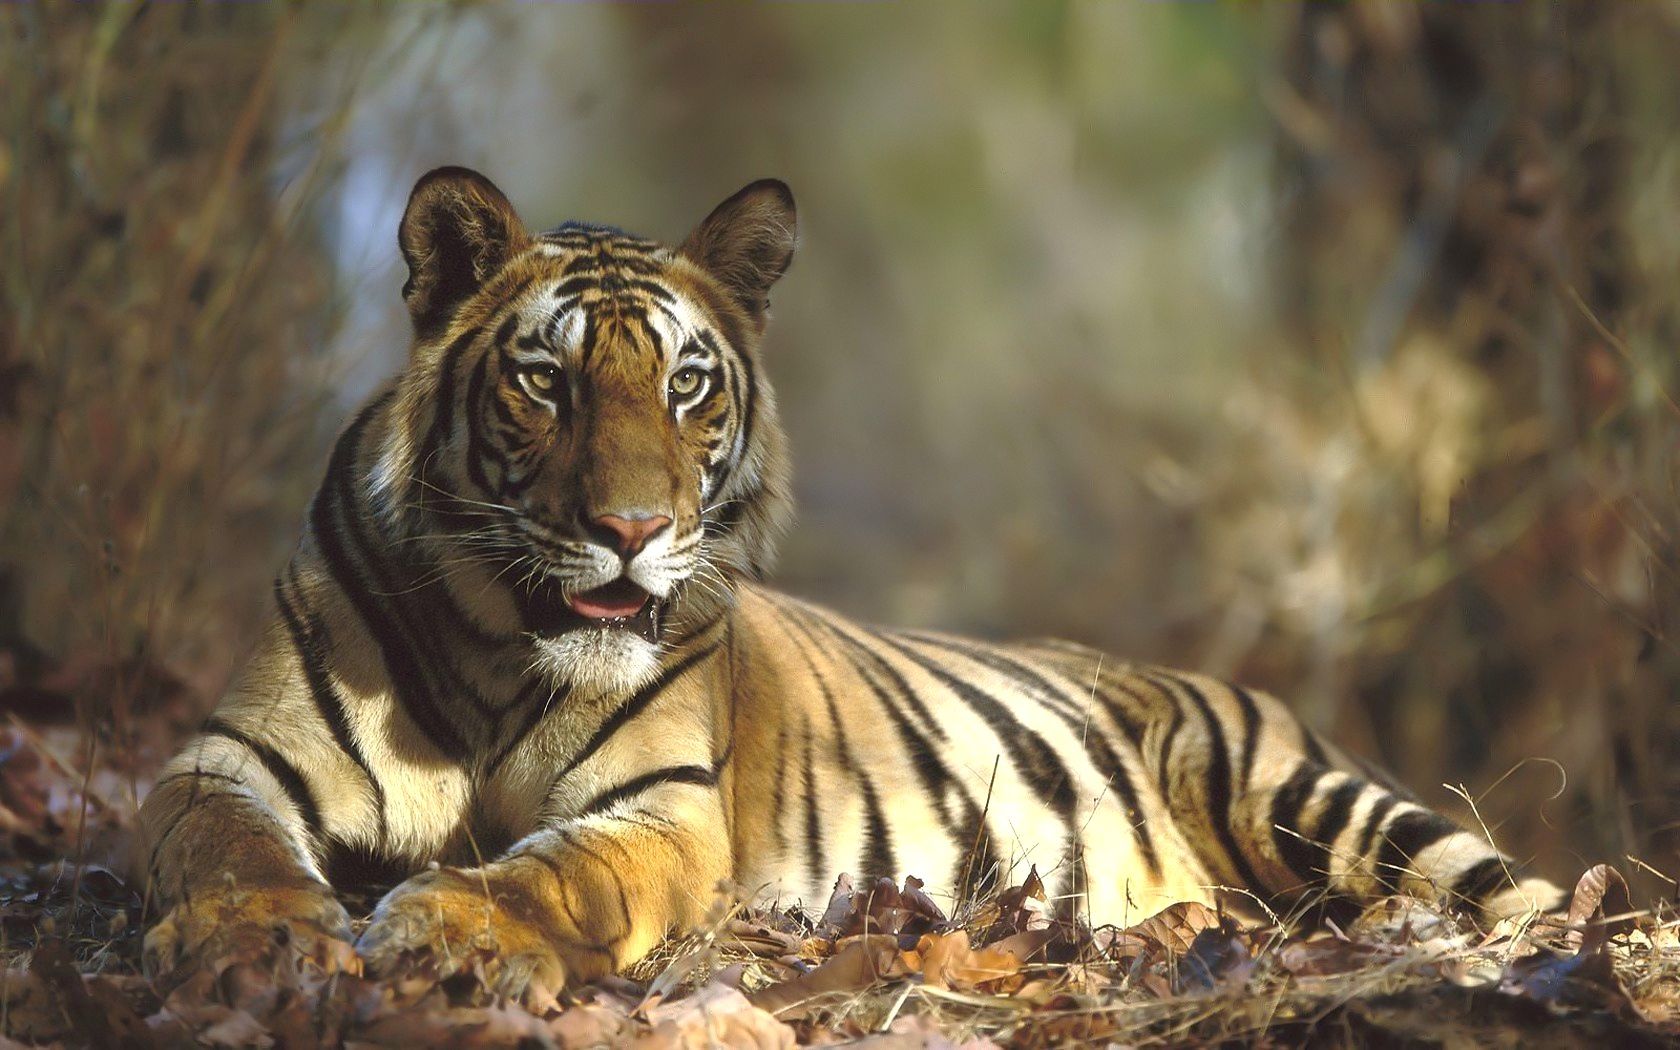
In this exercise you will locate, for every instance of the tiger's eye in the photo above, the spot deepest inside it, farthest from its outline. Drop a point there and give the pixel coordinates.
(542, 378)
(687, 381)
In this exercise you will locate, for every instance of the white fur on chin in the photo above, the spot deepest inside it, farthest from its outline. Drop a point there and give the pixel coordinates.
(597, 661)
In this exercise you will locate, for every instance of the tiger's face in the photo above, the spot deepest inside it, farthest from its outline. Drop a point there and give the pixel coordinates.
(584, 440)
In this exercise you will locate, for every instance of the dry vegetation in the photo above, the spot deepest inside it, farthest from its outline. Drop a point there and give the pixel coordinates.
(881, 965)
(1418, 473)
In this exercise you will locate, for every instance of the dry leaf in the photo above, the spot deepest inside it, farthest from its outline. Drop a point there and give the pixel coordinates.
(715, 1016)
(760, 939)
(947, 961)
(1174, 928)
(840, 904)
(1328, 956)
(862, 962)
(1601, 892)
(1028, 944)
(919, 903)
(1025, 907)
(237, 1029)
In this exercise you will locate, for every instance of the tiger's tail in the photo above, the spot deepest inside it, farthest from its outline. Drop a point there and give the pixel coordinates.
(1272, 807)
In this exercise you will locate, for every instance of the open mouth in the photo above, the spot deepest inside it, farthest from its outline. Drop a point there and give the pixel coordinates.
(619, 605)
(618, 600)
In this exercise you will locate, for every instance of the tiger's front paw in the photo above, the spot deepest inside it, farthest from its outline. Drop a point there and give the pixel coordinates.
(246, 924)
(443, 922)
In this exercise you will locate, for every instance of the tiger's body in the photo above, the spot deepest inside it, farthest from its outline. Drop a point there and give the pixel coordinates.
(523, 667)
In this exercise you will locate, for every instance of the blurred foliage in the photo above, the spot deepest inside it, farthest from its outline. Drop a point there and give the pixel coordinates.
(164, 327)
(1329, 347)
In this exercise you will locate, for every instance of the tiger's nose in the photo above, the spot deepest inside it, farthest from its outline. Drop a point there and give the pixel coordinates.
(628, 534)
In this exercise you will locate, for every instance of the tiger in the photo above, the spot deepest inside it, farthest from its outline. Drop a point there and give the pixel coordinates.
(526, 679)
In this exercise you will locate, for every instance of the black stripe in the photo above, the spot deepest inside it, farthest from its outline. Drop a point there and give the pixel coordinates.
(475, 440)
(1288, 837)
(430, 662)
(1034, 760)
(1097, 746)
(778, 791)
(310, 645)
(1338, 810)
(1124, 717)
(1480, 881)
(1001, 662)
(697, 775)
(924, 758)
(877, 849)
(749, 388)
(401, 661)
(980, 854)
(814, 860)
(532, 718)
(1405, 837)
(971, 835)
(197, 774)
(1218, 785)
(284, 773)
(1373, 823)
(856, 653)
(571, 286)
(1251, 733)
(504, 333)
(632, 707)
(1169, 731)
(443, 418)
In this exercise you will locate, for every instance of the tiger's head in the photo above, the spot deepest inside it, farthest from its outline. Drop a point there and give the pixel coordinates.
(583, 441)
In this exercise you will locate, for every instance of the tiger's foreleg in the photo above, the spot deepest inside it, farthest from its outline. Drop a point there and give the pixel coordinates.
(572, 902)
(229, 863)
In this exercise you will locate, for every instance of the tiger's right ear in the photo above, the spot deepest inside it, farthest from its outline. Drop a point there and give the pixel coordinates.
(457, 231)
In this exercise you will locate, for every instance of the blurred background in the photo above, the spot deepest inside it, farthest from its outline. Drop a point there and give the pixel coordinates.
(1331, 348)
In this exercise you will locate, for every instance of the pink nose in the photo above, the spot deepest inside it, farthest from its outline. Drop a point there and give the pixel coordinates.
(631, 534)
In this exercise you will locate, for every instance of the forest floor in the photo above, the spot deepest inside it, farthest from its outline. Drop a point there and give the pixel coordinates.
(882, 966)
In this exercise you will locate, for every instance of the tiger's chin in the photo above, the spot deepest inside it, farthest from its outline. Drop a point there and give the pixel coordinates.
(597, 661)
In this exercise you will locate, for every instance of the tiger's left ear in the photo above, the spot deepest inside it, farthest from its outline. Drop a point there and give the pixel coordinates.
(747, 242)
(457, 231)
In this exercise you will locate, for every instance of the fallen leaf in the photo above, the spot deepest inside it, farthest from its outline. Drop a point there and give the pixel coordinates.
(590, 1025)
(237, 1028)
(862, 962)
(1028, 944)
(840, 904)
(947, 961)
(1174, 928)
(760, 939)
(881, 910)
(1600, 908)
(95, 1009)
(1328, 956)
(919, 903)
(717, 1015)
(33, 1011)
(1025, 907)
